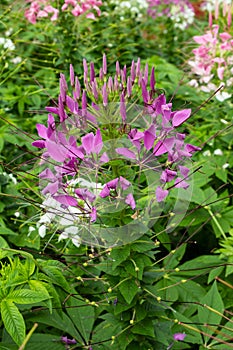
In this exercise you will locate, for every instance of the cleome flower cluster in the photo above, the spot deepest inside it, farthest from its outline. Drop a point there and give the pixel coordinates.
(212, 64)
(108, 145)
(47, 8)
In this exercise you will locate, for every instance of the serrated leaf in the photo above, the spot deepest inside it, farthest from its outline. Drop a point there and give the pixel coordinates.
(208, 316)
(129, 289)
(41, 287)
(13, 321)
(29, 266)
(26, 296)
(56, 277)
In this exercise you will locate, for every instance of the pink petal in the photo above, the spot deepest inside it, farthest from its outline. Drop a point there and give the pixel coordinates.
(105, 192)
(124, 183)
(130, 201)
(42, 130)
(87, 142)
(66, 200)
(126, 152)
(160, 194)
(159, 149)
(56, 151)
(180, 117)
(39, 144)
(149, 137)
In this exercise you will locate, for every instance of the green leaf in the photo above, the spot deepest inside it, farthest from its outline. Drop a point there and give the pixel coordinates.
(3, 243)
(54, 320)
(119, 255)
(13, 321)
(208, 315)
(6, 231)
(214, 273)
(129, 289)
(56, 277)
(26, 296)
(40, 286)
(145, 327)
(29, 266)
(82, 315)
(46, 341)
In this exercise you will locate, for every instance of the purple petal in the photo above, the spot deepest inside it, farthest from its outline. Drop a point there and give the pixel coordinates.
(93, 214)
(152, 79)
(39, 144)
(52, 110)
(42, 131)
(184, 170)
(104, 64)
(98, 143)
(87, 142)
(179, 336)
(105, 192)
(47, 174)
(160, 194)
(71, 75)
(149, 137)
(104, 158)
(191, 148)
(130, 201)
(126, 152)
(113, 183)
(124, 183)
(56, 151)
(180, 183)
(66, 200)
(122, 107)
(51, 188)
(159, 149)
(167, 175)
(180, 117)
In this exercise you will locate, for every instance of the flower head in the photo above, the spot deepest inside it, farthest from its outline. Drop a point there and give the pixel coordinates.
(95, 138)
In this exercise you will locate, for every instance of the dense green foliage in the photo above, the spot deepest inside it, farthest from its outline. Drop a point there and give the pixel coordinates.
(138, 295)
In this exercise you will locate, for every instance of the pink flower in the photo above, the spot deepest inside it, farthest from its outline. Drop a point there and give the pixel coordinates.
(179, 336)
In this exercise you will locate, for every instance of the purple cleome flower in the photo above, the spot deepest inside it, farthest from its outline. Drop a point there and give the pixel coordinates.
(94, 128)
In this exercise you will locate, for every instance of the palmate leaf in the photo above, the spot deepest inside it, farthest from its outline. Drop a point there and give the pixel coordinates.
(207, 316)
(13, 321)
(26, 296)
(129, 289)
(46, 341)
(82, 316)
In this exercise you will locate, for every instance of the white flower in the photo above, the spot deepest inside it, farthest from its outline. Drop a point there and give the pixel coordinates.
(16, 60)
(17, 214)
(42, 231)
(206, 153)
(13, 179)
(218, 152)
(30, 230)
(226, 165)
(7, 44)
(222, 96)
(224, 121)
(71, 232)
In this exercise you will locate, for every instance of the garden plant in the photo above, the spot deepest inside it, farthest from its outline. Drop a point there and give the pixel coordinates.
(116, 213)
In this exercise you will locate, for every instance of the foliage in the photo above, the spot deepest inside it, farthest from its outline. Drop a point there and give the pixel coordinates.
(169, 288)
